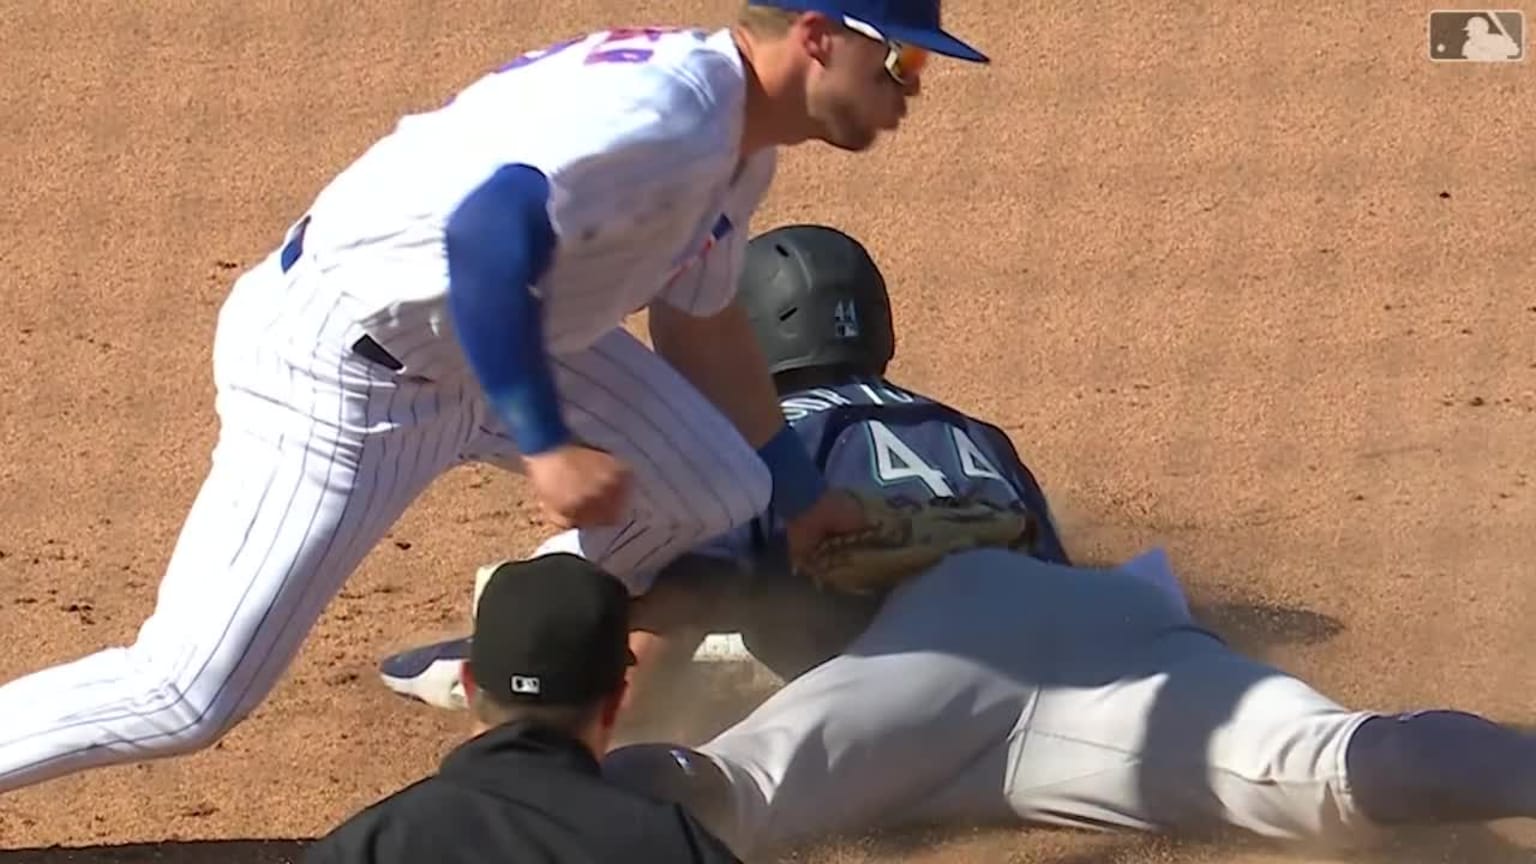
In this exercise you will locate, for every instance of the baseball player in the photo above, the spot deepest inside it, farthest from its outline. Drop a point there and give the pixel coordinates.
(817, 302)
(457, 293)
(1000, 687)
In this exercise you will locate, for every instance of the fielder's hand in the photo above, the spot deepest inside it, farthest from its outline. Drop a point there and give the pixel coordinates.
(579, 486)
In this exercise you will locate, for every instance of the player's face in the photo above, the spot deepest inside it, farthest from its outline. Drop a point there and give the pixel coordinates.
(859, 88)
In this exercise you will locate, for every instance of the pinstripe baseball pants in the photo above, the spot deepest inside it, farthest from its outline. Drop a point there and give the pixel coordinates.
(319, 452)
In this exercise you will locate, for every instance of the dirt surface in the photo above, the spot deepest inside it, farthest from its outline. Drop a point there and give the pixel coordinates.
(1252, 281)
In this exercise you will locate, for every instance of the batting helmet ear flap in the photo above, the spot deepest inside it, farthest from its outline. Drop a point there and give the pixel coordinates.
(816, 298)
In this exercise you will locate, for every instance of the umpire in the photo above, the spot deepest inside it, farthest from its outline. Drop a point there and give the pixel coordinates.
(544, 681)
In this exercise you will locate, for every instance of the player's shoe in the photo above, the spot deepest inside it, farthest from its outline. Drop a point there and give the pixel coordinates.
(429, 674)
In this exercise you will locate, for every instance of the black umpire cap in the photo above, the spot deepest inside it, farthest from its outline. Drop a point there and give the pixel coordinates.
(551, 630)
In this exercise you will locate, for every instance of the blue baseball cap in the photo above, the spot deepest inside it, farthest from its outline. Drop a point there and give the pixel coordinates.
(914, 22)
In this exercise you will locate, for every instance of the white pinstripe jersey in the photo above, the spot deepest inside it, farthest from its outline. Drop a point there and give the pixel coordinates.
(639, 135)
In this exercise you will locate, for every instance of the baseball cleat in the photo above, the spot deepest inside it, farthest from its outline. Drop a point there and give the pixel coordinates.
(482, 576)
(429, 674)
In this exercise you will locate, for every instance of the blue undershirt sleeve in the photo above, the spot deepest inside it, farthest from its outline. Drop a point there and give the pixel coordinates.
(797, 482)
(499, 242)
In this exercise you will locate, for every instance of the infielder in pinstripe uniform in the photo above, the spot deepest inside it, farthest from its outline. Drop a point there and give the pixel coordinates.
(457, 293)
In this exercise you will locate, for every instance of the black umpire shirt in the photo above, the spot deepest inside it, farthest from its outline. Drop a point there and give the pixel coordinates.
(524, 795)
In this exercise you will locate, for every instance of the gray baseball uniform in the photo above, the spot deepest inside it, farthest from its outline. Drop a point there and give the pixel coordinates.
(997, 686)
(1000, 687)
(1004, 686)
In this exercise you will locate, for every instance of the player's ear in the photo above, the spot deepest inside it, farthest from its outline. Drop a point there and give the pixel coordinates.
(612, 705)
(814, 33)
(467, 679)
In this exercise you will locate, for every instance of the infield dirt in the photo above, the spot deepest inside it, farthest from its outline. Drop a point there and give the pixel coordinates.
(1250, 281)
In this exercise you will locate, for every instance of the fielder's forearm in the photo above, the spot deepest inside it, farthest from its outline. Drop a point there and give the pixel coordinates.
(720, 357)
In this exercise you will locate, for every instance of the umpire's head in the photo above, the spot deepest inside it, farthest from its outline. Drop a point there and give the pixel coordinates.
(550, 648)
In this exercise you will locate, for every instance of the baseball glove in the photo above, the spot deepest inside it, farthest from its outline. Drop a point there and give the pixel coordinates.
(907, 536)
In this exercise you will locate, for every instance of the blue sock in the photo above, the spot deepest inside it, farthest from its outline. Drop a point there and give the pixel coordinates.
(1441, 766)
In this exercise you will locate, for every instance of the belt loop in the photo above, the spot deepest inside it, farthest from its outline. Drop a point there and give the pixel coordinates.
(366, 348)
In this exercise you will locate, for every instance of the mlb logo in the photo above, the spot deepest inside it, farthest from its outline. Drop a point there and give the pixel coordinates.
(1477, 35)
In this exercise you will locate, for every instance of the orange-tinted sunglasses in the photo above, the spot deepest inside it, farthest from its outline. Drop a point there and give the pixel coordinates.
(903, 62)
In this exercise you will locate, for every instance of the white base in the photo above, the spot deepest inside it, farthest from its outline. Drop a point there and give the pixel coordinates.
(723, 648)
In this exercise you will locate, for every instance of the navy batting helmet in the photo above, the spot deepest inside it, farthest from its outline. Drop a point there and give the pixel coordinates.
(816, 299)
